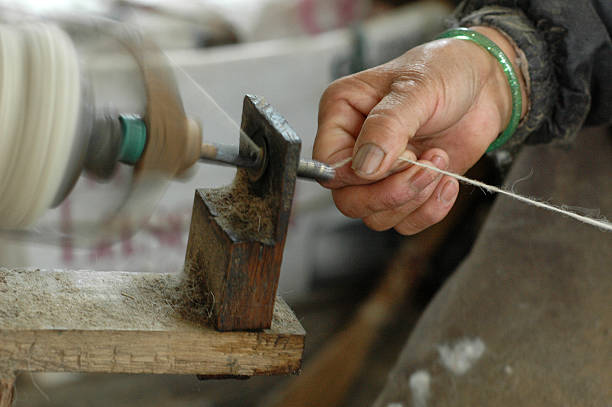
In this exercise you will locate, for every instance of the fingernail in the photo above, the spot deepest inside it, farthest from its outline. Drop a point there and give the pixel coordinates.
(368, 159)
(449, 191)
(439, 162)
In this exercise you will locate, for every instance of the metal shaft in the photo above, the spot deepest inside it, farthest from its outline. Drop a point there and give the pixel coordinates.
(229, 155)
(316, 170)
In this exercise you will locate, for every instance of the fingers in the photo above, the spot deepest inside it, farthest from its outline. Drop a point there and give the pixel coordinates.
(342, 111)
(409, 201)
(387, 219)
(394, 196)
(356, 119)
(433, 210)
(432, 96)
(425, 211)
(388, 128)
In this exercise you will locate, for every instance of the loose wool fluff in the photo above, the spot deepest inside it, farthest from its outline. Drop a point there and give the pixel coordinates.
(461, 356)
(419, 387)
(602, 224)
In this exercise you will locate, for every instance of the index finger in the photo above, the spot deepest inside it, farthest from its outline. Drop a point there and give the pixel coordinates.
(342, 111)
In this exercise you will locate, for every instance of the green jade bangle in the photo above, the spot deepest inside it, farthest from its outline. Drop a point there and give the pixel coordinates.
(515, 87)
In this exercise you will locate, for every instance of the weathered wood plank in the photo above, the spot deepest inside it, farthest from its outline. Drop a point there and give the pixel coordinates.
(121, 322)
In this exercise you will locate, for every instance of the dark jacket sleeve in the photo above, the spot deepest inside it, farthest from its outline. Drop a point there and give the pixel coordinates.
(568, 49)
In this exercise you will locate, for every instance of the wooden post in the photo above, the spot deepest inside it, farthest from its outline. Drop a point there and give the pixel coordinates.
(7, 390)
(237, 233)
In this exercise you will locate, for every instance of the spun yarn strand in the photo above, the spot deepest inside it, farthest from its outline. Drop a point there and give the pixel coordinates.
(602, 223)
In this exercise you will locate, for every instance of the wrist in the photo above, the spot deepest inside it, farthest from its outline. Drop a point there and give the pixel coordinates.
(495, 79)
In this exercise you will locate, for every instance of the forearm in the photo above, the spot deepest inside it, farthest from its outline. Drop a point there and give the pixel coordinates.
(569, 54)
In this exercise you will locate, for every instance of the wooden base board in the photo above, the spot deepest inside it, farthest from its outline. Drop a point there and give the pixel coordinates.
(120, 322)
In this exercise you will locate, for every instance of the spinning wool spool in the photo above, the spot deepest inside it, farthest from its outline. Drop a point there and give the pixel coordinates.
(40, 96)
(51, 133)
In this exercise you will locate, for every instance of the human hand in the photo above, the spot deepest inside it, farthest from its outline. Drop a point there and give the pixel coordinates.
(442, 103)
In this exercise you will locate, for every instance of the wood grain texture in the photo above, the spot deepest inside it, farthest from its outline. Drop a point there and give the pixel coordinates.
(7, 392)
(238, 232)
(119, 322)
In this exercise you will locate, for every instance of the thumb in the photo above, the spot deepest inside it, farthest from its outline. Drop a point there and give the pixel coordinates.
(391, 124)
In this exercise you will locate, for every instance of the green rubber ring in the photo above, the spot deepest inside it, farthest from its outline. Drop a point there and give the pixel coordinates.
(134, 138)
(515, 87)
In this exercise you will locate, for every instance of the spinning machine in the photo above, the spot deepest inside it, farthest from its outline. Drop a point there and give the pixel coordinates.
(218, 318)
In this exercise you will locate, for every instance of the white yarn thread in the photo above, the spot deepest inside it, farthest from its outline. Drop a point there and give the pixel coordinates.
(599, 223)
(602, 224)
(39, 100)
(341, 163)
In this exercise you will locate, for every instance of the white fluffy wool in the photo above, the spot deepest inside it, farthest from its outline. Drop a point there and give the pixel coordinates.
(40, 95)
(460, 357)
(419, 386)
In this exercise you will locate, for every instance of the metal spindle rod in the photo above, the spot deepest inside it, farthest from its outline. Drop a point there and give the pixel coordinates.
(315, 170)
(230, 155)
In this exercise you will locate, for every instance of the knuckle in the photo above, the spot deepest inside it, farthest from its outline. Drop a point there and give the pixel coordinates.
(409, 81)
(427, 215)
(350, 211)
(396, 197)
(388, 115)
(333, 90)
(345, 205)
(424, 194)
(406, 228)
(418, 87)
(376, 223)
(339, 87)
(385, 121)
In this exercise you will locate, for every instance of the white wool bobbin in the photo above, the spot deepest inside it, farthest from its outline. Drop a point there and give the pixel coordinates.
(39, 111)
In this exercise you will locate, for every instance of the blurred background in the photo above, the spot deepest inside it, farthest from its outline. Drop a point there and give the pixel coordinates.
(287, 51)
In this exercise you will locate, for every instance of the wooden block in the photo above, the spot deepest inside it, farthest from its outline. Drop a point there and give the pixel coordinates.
(238, 232)
(120, 322)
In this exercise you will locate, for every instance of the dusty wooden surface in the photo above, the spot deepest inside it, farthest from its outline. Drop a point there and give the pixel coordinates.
(119, 322)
